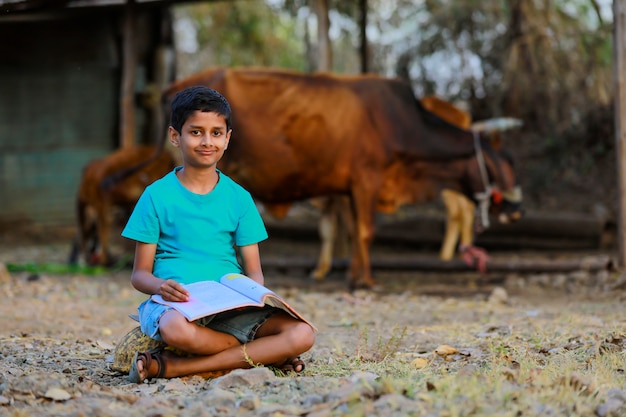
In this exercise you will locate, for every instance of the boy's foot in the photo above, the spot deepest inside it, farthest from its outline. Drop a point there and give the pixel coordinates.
(293, 365)
(151, 363)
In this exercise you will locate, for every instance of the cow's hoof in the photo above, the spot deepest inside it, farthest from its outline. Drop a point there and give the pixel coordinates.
(94, 260)
(317, 275)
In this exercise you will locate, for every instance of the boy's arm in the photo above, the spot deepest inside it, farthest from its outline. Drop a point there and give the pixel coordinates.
(252, 262)
(143, 280)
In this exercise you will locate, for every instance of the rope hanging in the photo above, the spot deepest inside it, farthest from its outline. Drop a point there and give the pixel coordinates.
(483, 198)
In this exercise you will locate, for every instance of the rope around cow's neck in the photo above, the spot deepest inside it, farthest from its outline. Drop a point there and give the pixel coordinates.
(483, 198)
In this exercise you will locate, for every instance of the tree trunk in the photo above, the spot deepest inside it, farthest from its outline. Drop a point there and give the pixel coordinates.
(325, 55)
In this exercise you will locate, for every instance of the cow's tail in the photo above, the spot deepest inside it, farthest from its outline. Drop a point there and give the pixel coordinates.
(80, 240)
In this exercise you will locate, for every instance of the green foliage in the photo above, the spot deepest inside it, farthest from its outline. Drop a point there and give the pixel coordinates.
(247, 33)
(542, 62)
(54, 268)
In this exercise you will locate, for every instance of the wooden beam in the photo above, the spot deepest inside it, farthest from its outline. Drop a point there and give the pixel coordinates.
(434, 264)
(535, 231)
(619, 53)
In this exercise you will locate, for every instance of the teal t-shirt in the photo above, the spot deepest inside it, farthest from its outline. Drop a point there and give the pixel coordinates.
(195, 234)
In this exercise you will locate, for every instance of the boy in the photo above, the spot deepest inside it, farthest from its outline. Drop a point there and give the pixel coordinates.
(187, 227)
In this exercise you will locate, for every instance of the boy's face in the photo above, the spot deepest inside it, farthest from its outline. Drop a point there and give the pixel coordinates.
(202, 140)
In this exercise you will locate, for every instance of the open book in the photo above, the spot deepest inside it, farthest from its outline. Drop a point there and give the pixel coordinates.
(230, 292)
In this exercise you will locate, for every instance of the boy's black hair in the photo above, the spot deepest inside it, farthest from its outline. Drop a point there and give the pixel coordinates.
(198, 97)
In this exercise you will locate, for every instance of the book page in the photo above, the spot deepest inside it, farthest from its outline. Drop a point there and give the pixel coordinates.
(247, 286)
(206, 298)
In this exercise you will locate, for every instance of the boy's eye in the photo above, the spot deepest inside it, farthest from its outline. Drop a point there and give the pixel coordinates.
(217, 133)
(195, 132)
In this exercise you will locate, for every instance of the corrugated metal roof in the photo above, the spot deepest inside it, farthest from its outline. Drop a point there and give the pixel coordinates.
(46, 4)
(7, 6)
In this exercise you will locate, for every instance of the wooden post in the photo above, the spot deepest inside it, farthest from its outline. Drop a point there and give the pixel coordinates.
(164, 74)
(127, 92)
(363, 31)
(619, 54)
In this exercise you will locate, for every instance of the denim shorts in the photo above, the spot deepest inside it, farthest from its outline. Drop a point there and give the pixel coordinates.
(242, 323)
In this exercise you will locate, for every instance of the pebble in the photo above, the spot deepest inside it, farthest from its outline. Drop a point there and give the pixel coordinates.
(498, 296)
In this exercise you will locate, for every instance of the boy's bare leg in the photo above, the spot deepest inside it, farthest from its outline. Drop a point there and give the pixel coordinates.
(177, 332)
(278, 340)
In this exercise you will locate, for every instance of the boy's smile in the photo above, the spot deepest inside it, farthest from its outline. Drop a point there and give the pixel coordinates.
(203, 139)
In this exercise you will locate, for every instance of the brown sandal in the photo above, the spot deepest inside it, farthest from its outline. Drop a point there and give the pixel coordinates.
(146, 357)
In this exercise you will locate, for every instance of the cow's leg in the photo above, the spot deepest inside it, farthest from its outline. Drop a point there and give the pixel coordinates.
(345, 227)
(78, 245)
(74, 252)
(85, 223)
(468, 214)
(105, 223)
(471, 255)
(327, 228)
(336, 230)
(454, 219)
(362, 205)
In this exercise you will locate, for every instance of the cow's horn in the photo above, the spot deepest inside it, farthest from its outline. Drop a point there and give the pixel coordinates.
(497, 124)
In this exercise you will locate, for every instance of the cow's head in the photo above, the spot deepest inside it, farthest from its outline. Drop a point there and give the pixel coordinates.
(502, 197)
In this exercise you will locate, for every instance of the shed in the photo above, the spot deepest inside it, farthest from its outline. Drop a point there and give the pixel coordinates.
(78, 78)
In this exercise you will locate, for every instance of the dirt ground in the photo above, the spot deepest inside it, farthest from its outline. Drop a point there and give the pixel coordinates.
(59, 331)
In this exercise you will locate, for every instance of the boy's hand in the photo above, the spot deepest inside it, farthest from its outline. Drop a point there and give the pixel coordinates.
(171, 290)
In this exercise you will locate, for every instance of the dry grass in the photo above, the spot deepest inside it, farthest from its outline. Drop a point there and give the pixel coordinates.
(555, 358)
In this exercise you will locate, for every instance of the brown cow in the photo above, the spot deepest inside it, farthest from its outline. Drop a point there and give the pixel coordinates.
(336, 224)
(298, 136)
(116, 180)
